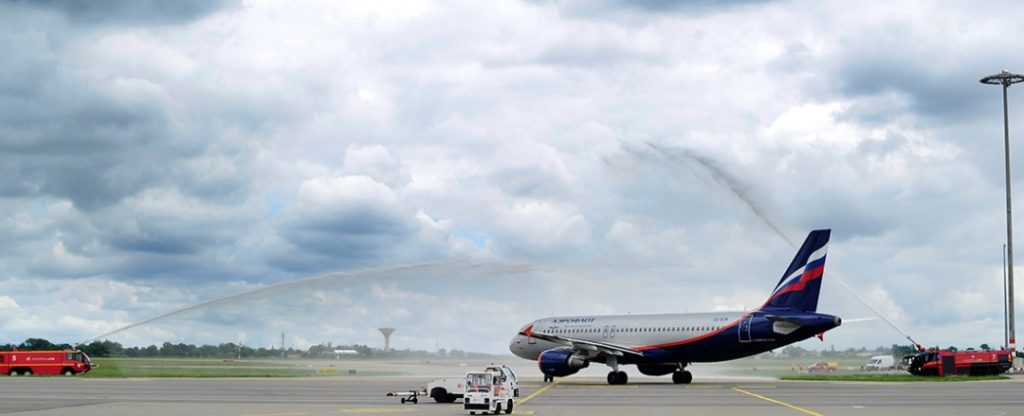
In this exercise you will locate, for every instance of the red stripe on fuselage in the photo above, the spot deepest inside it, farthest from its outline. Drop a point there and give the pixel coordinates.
(691, 340)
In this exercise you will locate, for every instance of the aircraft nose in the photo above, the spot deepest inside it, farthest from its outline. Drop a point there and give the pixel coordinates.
(518, 345)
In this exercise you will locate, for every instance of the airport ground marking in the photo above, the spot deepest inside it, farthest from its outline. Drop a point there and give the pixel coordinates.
(597, 386)
(539, 392)
(377, 410)
(278, 414)
(778, 402)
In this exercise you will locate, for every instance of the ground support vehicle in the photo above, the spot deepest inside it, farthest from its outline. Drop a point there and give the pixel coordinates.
(881, 363)
(969, 363)
(450, 389)
(411, 396)
(447, 390)
(823, 367)
(508, 375)
(487, 392)
(48, 363)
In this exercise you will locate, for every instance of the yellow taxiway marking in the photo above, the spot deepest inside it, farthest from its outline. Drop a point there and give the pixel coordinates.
(377, 410)
(702, 387)
(539, 392)
(778, 402)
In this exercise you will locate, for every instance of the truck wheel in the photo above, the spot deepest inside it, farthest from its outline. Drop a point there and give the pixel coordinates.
(26, 372)
(13, 373)
(497, 408)
(441, 395)
(508, 410)
(403, 400)
(68, 372)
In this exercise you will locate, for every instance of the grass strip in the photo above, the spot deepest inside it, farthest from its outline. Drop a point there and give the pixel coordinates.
(143, 368)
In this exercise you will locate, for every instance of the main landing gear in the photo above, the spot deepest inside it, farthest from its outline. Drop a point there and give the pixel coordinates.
(617, 377)
(682, 377)
(548, 378)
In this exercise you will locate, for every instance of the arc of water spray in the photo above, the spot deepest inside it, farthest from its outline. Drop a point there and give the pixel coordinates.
(495, 267)
(732, 185)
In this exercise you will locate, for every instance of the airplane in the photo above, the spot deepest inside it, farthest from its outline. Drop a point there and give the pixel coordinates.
(667, 343)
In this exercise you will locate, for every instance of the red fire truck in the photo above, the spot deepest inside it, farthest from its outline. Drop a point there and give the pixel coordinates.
(968, 363)
(24, 363)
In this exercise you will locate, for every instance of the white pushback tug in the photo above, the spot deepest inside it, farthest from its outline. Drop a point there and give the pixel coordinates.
(488, 392)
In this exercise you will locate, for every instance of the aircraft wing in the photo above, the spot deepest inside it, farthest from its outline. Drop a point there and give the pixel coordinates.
(599, 347)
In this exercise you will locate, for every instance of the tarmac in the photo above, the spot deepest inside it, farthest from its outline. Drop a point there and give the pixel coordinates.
(358, 395)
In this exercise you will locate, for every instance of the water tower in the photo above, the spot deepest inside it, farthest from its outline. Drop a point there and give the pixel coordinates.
(387, 337)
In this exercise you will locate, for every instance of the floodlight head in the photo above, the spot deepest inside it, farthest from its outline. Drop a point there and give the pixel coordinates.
(1004, 78)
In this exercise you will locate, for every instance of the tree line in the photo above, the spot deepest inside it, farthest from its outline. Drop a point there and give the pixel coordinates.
(115, 349)
(108, 348)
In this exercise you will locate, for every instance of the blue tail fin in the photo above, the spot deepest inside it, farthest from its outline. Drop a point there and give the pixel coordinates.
(799, 287)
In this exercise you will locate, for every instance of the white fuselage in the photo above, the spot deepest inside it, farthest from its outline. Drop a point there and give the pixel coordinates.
(632, 331)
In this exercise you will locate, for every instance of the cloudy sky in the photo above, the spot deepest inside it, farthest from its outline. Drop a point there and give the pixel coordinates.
(456, 169)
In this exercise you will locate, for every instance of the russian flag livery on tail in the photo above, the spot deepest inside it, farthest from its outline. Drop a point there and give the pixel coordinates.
(668, 343)
(798, 289)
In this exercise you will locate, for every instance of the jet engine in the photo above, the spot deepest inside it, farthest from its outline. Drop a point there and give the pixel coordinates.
(657, 369)
(561, 362)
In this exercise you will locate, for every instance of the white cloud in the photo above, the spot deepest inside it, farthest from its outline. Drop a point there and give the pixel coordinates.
(8, 304)
(158, 164)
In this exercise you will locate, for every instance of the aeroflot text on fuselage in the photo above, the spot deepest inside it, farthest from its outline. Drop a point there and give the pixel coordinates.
(664, 344)
(572, 320)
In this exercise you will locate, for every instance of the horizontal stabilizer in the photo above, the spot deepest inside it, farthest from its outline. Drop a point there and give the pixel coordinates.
(801, 320)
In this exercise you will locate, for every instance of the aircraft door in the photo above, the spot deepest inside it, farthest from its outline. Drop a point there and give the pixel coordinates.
(604, 333)
(611, 334)
(744, 328)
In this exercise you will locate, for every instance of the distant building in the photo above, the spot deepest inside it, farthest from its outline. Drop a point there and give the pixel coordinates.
(344, 353)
